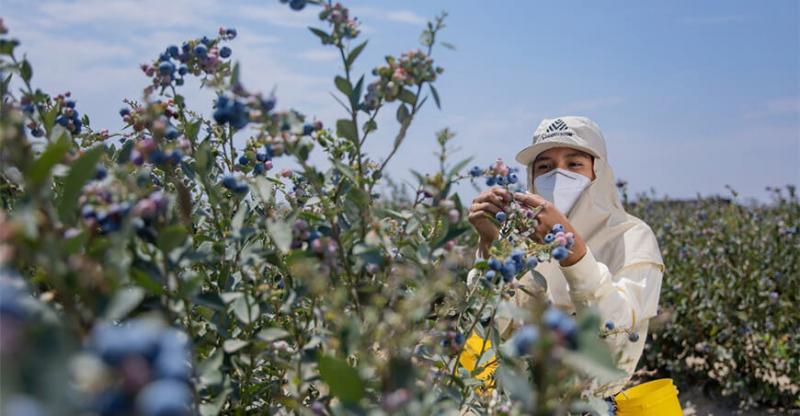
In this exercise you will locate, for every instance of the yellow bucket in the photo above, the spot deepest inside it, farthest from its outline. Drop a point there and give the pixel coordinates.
(654, 398)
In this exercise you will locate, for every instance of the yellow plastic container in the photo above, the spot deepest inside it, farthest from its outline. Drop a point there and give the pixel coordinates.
(654, 398)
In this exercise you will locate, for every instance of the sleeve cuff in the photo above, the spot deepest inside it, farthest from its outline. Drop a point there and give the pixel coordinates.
(586, 278)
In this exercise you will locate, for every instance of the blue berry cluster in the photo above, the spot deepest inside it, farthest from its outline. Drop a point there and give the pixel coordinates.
(235, 185)
(196, 56)
(497, 174)
(565, 327)
(68, 117)
(231, 111)
(315, 241)
(153, 365)
(453, 340)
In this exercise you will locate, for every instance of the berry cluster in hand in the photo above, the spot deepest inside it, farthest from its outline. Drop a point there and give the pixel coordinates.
(414, 68)
(152, 364)
(498, 174)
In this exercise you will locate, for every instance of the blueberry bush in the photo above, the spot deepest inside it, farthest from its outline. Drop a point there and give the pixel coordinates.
(729, 299)
(164, 270)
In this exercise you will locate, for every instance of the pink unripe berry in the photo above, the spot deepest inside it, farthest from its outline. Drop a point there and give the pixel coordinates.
(454, 215)
(268, 165)
(146, 208)
(286, 173)
(449, 245)
(561, 241)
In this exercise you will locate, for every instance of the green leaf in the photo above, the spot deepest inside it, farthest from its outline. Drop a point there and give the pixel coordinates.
(233, 345)
(323, 36)
(435, 96)
(355, 97)
(452, 232)
(343, 380)
(345, 128)
(245, 315)
(402, 113)
(7, 46)
(407, 97)
(343, 85)
(26, 71)
(123, 302)
(171, 238)
(448, 45)
(83, 169)
(211, 300)
(281, 233)
(272, 334)
(50, 157)
(351, 57)
(235, 74)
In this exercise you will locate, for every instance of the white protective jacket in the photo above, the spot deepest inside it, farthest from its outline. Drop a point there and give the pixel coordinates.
(620, 275)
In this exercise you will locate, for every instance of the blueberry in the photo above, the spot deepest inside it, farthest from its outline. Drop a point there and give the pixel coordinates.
(221, 115)
(230, 32)
(173, 51)
(297, 4)
(258, 168)
(70, 103)
(308, 129)
(261, 157)
(560, 253)
(37, 132)
(229, 182)
(87, 211)
(490, 275)
(166, 68)
(548, 238)
(495, 264)
(509, 270)
(558, 228)
(201, 50)
(475, 172)
(633, 336)
(512, 178)
(171, 132)
(313, 235)
(524, 339)
(501, 216)
(567, 326)
(610, 325)
(124, 111)
(532, 262)
(552, 317)
(501, 180)
(459, 339)
(243, 160)
(158, 157)
(490, 181)
(517, 255)
(241, 188)
(164, 398)
(183, 70)
(163, 57)
(100, 173)
(175, 157)
(225, 52)
(268, 104)
(63, 121)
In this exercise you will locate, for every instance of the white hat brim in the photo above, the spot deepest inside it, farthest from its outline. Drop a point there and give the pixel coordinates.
(527, 155)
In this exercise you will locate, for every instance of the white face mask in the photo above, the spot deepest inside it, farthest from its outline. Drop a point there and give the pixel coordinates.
(561, 187)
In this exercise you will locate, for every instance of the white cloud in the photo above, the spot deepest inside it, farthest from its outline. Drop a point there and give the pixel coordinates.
(319, 55)
(370, 13)
(277, 15)
(405, 16)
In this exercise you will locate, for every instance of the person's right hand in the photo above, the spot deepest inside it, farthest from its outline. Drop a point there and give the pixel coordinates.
(487, 204)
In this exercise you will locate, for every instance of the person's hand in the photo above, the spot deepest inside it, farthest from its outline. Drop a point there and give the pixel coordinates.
(547, 218)
(486, 205)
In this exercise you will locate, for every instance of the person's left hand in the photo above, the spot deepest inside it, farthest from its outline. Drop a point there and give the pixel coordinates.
(547, 218)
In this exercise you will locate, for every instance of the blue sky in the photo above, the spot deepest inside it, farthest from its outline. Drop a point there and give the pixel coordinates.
(691, 95)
